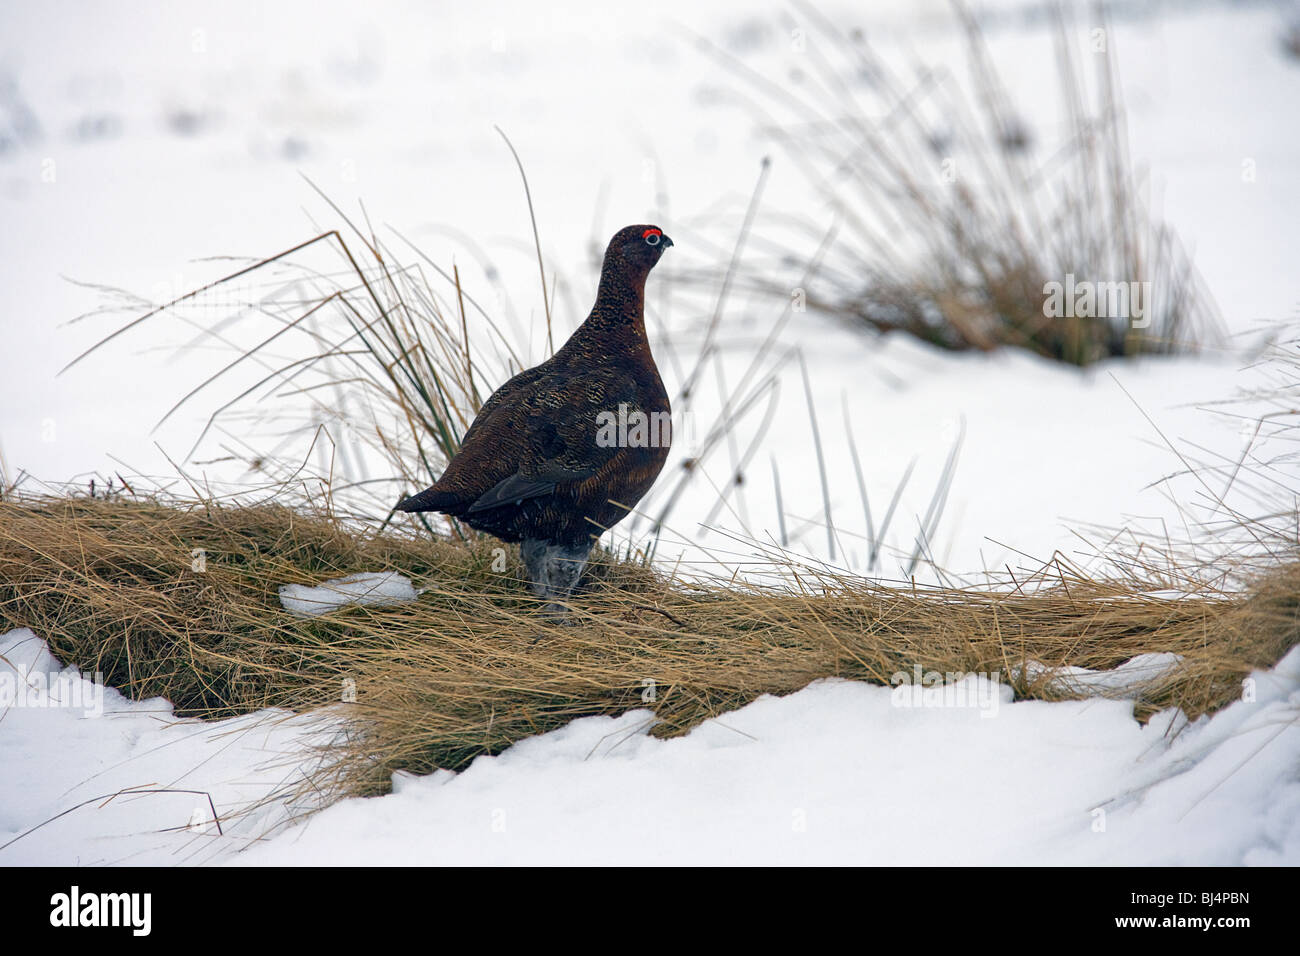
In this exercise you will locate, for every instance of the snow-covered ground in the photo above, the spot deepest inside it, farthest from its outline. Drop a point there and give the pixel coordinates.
(840, 772)
(134, 144)
(71, 744)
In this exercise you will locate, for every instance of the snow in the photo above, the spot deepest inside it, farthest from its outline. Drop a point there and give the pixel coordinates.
(387, 587)
(837, 773)
(61, 757)
(1125, 681)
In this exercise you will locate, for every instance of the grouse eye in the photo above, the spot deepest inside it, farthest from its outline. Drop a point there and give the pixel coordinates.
(652, 238)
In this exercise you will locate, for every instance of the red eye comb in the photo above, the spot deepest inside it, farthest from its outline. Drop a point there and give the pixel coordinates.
(651, 232)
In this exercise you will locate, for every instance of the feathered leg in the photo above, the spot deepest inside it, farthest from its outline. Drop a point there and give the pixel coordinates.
(564, 566)
(533, 552)
(553, 571)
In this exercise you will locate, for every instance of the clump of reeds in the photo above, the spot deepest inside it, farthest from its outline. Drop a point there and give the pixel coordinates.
(347, 363)
(946, 219)
(181, 600)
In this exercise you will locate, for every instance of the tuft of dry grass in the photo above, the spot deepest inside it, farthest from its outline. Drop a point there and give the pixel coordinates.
(947, 220)
(116, 586)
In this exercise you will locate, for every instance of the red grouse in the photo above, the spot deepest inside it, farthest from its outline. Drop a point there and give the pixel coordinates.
(562, 451)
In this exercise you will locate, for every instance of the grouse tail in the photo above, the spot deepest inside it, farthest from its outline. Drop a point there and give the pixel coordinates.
(431, 499)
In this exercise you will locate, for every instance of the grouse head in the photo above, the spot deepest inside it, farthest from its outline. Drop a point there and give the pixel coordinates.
(637, 247)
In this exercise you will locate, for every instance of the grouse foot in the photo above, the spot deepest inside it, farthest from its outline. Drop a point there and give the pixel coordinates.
(553, 572)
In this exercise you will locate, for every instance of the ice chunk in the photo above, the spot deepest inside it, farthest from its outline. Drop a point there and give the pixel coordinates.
(387, 587)
(1124, 681)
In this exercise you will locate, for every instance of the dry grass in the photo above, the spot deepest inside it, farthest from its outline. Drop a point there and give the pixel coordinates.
(946, 217)
(470, 669)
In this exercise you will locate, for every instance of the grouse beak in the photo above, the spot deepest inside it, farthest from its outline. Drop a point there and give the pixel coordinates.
(666, 241)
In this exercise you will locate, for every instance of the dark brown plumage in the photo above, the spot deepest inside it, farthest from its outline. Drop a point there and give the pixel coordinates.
(541, 463)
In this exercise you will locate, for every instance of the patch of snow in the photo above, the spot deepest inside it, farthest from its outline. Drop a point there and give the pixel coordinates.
(1125, 681)
(388, 587)
(839, 774)
(128, 782)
